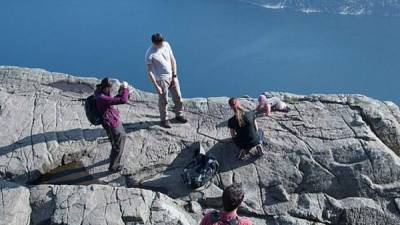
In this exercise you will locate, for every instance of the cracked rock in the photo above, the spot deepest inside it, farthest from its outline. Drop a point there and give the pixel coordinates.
(15, 208)
(100, 204)
(333, 159)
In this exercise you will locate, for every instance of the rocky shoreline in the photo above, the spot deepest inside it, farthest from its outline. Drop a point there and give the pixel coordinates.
(333, 159)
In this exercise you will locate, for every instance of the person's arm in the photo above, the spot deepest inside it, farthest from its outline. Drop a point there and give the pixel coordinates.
(117, 100)
(257, 107)
(153, 79)
(173, 61)
(173, 64)
(253, 117)
(255, 124)
(233, 132)
(268, 109)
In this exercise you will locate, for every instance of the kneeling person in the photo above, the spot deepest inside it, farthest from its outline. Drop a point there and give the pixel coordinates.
(244, 129)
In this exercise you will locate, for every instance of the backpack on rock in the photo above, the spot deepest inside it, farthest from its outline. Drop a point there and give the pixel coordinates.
(201, 170)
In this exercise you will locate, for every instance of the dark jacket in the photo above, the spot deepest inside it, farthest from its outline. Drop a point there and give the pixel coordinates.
(104, 105)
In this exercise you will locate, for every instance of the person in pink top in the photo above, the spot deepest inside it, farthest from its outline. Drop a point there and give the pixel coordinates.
(232, 197)
(111, 120)
(266, 105)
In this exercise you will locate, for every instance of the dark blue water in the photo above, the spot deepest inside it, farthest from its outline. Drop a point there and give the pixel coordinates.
(223, 47)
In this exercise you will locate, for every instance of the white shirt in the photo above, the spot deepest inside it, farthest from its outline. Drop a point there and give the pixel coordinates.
(160, 60)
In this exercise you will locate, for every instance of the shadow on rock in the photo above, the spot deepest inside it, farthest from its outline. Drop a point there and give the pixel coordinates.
(72, 170)
(73, 173)
(71, 135)
(170, 181)
(72, 87)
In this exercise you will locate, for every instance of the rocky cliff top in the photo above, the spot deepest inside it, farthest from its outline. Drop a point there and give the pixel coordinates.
(333, 159)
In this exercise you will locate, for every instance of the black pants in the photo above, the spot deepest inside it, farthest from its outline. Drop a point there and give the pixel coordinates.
(248, 146)
(117, 137)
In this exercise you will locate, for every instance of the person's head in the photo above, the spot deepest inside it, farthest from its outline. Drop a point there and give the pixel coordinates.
(262, 99)
(105, 86)
(234, 103)
(157, 39)
(232, 197)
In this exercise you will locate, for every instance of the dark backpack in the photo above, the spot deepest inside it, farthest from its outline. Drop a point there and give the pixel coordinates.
(91, 111)
(215, 217)
(200, 171)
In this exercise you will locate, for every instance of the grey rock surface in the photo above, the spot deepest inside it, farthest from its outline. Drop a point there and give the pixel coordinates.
(333, 159)
(102, 204)
(15, 208)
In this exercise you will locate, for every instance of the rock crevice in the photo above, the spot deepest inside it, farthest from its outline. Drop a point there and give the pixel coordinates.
(331, 160)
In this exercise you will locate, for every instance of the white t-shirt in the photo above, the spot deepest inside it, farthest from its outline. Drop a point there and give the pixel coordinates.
(159, 60)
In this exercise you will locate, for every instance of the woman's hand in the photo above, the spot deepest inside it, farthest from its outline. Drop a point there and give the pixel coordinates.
(232, 132)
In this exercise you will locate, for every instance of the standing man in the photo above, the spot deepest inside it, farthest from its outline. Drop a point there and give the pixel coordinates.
(162, 72)
(111, 121)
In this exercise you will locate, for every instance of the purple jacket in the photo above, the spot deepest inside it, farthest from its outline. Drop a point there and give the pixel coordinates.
(104, 105)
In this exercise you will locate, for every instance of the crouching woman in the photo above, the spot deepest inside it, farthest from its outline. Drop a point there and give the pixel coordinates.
(244, 129)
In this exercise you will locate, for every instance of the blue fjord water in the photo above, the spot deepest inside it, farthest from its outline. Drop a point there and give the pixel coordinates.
(223, 47)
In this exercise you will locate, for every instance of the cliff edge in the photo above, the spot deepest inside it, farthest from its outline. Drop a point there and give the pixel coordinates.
(333, 159)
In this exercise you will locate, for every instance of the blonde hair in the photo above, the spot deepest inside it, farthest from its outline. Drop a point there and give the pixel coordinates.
(234, 103)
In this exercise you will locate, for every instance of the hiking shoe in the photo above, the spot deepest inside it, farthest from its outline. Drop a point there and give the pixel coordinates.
(181, 119)
(165, 124)
(242, 154)
(260, 150)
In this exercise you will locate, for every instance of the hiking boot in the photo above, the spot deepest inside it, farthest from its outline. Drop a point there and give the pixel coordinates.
(260, 150)
(181, 119)
(165, 124)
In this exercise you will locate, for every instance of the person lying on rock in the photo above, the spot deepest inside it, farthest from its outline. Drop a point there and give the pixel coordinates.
(232, 197)
(266, 105)
(162, 72)
(244, 129)
(111, 121)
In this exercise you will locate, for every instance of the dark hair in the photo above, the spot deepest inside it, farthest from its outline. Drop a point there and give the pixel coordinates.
(232, 197)
(105, 83)
(157, 38)
(234, 103)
